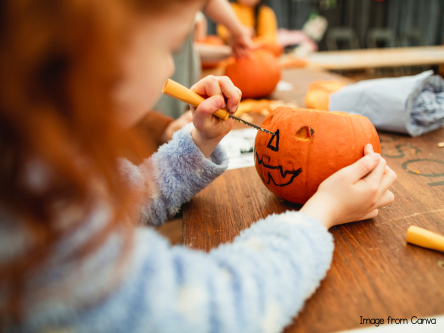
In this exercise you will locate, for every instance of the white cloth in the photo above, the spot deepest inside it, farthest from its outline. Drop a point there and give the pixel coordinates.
(411, 105)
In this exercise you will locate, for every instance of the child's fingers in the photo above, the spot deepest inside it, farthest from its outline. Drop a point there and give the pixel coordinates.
(241, 52)
(204, 112)
(387, 198)
(240, 93)
(370, 215)
(387, 180)
(207, 87)
(368, 149)
(231, 93)
(211, 86)
(355, 172)
(374, 178)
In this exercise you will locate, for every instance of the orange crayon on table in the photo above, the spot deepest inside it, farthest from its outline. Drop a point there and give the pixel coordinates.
(425, 238)
(178, 91)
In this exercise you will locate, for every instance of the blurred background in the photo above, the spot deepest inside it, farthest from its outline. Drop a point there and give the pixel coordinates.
(390, 22)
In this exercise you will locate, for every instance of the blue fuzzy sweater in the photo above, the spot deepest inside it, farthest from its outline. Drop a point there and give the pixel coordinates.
(255, 284)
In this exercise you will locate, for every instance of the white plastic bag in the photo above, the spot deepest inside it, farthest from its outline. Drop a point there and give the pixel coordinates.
(412, 105)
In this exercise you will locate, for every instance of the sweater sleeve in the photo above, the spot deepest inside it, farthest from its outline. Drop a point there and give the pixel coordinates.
(258, 283)
(172, 176)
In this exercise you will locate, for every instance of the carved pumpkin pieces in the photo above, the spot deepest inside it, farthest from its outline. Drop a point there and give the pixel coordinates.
(309, 146)
(256, 76)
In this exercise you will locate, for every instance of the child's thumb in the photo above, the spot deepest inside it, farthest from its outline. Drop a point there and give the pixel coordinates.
(368, 149)
(211, 105)
(363, 167)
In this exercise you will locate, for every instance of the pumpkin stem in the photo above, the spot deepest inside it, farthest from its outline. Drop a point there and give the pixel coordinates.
(305, 133)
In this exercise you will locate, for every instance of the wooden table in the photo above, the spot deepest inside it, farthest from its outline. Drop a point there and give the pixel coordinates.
(376, 58)
(374, 272)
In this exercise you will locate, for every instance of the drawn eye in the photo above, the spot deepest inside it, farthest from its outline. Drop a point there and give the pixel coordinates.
(273, 144)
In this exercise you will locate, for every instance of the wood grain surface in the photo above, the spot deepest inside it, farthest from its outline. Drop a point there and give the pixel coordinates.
(374, 273)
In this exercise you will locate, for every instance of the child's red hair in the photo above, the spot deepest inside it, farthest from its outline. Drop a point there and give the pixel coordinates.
(58, 66)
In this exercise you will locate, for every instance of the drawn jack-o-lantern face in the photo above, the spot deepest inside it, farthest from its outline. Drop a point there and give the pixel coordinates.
(309, 146)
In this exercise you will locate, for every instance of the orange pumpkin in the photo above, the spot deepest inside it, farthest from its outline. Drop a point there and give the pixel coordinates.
(318, 94)
(309, 146)
(256, 76)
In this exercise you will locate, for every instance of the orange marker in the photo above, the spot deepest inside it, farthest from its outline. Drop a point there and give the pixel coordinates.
(425, 238)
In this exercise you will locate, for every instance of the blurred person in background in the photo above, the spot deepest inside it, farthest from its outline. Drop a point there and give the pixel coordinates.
(259, 19)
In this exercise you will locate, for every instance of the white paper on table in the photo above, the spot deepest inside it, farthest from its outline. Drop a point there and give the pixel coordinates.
(284, 86)
(239, 146)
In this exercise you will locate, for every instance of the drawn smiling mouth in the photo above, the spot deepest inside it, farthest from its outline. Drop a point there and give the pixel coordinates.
(273, 144)
(283, 173)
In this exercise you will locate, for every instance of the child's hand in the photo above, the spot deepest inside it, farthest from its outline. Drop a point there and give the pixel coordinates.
(220, 93)
(353, 193)
(242, 44)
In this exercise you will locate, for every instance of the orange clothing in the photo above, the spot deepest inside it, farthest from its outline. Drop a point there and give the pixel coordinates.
(267, 24)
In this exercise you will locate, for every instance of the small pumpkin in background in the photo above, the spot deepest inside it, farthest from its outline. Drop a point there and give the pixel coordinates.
(309, 146)
(318, 95)
(256, 75)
